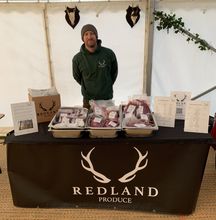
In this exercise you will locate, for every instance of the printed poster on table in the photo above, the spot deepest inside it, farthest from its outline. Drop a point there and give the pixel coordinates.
(197, 116)
(181, 99)
(24, 118)
(165, 110)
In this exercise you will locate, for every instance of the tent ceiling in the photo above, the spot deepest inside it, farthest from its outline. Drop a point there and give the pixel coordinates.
(64, 1)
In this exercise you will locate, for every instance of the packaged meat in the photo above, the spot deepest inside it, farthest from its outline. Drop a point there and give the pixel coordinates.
(104, 120)
(69, 122)
(137, 118)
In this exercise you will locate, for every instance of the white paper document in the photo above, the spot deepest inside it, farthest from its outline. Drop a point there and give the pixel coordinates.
(197, 116)
(42, 92)
(164, 111)
(24, 118)
(181, 99)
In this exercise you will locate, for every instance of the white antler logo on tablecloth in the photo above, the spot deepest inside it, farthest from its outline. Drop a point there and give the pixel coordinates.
(131, 175)
(125, 178)
(98, 176)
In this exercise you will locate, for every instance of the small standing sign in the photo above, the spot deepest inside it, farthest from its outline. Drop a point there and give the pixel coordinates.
(24, 118)
(165, 110)
(197, 116)
(181, 98)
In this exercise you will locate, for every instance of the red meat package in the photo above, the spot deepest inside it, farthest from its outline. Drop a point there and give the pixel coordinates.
(137, 114)
(104, 114)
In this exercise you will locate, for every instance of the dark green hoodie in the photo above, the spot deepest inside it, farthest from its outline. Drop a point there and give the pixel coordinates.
(95, 72)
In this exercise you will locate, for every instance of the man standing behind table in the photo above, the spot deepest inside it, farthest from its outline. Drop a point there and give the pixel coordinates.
(95, 67)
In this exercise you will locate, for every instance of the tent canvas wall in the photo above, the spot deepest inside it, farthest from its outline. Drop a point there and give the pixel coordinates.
(24, 50)
(179, 65)
(176, 64)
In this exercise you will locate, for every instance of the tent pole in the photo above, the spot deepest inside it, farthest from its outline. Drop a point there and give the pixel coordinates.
(148, 47)
(46, 26)
(204, 93)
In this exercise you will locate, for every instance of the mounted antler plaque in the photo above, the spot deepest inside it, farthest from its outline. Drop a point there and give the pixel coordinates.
(133, 15)
(72, 16)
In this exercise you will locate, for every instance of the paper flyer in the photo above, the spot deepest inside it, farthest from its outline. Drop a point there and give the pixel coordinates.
(197, 116)
(24, 118)
(181, 99)
(165, 110)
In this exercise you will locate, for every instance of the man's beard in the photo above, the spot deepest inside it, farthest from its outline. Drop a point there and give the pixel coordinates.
(91, 44)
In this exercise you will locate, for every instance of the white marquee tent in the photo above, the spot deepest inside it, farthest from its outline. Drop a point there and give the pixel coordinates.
(37, 46)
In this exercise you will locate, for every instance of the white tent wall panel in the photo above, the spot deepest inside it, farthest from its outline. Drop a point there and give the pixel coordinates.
(179, 65)
(25, 51)
(115, 33)
(23, 56)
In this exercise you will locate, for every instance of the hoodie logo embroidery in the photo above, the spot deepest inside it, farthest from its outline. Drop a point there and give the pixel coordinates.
(102, 64)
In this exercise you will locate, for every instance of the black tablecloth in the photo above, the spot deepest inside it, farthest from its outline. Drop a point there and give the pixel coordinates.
(160, 173)
(163, 134)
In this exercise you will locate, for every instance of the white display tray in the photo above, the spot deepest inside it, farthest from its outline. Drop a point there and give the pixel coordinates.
(66, 133)
(103, 132)
(140, 132)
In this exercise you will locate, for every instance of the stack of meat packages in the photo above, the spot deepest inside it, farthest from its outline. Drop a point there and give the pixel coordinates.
(70, 117)
(103, 115)
(137, 114)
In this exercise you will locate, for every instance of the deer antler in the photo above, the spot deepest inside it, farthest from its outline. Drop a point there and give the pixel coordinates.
(98, 176)
(131, 175)
(53, 105)
(42, 107)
